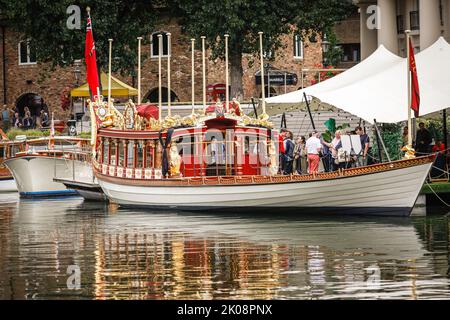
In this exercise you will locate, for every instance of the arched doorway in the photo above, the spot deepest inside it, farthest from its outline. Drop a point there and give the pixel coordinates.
(153, 96)
(33, 101)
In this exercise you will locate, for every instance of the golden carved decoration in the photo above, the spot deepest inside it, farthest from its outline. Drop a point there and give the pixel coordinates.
(410, 153)
(175, 161)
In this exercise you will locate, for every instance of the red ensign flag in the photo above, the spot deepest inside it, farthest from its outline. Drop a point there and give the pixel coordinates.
(91, 59)
(415, 93)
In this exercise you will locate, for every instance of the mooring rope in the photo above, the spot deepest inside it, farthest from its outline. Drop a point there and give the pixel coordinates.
(429, 186)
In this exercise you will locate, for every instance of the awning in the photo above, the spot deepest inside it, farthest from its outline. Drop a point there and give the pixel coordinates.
(118, 88)
(277, 77)
(376, 88)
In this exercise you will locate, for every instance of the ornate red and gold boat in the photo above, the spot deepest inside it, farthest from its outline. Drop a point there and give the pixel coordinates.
(230, 162)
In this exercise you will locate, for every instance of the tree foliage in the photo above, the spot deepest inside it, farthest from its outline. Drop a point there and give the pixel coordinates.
(243, 19)
(44, 22)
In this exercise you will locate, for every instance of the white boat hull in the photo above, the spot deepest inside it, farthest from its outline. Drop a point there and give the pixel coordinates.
(34, 175)
(8, 185)
(391, 192)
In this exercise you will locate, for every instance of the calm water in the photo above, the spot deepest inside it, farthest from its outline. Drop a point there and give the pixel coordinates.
(124, 254)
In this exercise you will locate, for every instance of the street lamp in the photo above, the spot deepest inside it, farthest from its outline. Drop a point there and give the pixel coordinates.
(325, 47)
(77, 70)
(325, 44)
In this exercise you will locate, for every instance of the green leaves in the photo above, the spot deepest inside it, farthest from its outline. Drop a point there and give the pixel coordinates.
(44, 22)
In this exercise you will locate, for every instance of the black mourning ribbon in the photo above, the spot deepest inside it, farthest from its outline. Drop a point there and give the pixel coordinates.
(165, 144)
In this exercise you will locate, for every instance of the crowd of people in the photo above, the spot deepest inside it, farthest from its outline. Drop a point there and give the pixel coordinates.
(304, 156)
(11, 118)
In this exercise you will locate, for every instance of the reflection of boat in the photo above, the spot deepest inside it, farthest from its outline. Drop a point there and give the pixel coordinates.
(368, 238)
(34, 164)
(242, 177)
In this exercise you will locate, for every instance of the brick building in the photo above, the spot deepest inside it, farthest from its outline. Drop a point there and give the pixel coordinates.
(24, 81)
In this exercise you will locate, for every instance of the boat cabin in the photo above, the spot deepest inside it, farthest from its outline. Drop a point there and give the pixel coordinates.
(220, 146)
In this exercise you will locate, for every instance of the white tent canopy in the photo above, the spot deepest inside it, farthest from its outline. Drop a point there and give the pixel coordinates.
(377, 87)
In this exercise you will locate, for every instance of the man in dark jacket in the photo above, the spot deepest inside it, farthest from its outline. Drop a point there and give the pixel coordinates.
(423, 140)
(288, 155)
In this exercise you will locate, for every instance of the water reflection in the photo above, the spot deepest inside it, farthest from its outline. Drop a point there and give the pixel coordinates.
(124, 254)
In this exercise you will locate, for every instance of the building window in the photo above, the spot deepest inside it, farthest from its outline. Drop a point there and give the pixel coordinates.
(351, 52)
(155, 44)
(298, 47)
(414, 20)
(27, 55)
(400, 25)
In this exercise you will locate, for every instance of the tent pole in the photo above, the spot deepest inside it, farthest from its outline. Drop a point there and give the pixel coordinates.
(444, 120)
(254, 108)
(380, 140)
(283, 121)
(309, 111)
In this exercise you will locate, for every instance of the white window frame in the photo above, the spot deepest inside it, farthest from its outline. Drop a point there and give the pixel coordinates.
(28, 62)
(153, 56)
(298, 39)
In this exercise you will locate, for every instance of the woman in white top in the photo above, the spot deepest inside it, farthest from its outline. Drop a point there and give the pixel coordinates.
(335, 145)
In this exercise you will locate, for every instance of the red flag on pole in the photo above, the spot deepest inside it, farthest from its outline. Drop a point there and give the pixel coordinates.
(415, 92)
(91, 58)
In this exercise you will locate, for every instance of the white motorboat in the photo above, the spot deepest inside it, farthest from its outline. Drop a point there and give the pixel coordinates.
(35, 163)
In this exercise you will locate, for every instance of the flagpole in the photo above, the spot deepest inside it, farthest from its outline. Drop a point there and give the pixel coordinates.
(193, 76)
(160, 44)
(139, 70)
(263, 94)
(169, 92)
(408, 77)
(109, 71)
(204, 73)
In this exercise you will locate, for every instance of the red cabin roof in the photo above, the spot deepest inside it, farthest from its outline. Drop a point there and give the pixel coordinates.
(148, 111)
